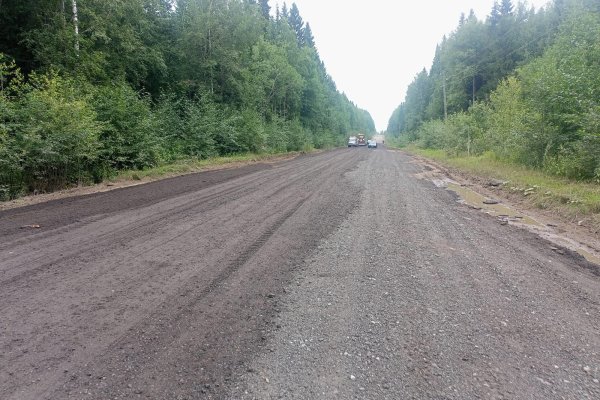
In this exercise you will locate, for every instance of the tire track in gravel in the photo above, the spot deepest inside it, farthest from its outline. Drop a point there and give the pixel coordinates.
(122, 234)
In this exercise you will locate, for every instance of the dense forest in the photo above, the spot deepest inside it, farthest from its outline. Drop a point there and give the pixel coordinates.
(522, 85)
(91, 87)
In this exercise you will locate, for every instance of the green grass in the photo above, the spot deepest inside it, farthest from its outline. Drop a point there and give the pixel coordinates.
(187, 166)
(574, 200)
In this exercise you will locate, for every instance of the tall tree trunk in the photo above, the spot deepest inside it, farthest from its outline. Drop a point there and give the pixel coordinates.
(76, 25)
(212, 72)
(63, 15)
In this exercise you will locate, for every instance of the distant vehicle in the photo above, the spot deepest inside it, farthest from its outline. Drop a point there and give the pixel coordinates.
(361, 140)
(352, 141)
(372, 143)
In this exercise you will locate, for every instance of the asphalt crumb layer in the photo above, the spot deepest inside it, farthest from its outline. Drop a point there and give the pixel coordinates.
(169, 296)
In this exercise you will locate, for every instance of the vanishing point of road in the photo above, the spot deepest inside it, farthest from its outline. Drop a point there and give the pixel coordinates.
(338, 275)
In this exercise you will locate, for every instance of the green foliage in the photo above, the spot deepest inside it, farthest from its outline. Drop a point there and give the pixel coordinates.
(507, 121)
(128, 133)
(543, 113)
(49, 135)
(148, 82)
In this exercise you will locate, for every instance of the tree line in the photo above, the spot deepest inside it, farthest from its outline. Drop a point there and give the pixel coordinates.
(91, 87)
(523, 85)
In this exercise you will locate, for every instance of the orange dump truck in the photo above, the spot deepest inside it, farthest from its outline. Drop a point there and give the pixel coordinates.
(361, 140)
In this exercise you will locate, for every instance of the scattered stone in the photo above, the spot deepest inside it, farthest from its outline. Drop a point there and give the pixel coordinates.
(491, 201)
(32, 226)
(545, 382)
(352, 378)
(496, 183)
(587, 369)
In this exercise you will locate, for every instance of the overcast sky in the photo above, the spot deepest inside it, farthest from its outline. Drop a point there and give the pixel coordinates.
(373, 49)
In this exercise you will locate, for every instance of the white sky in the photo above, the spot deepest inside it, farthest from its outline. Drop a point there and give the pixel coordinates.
(373, 49)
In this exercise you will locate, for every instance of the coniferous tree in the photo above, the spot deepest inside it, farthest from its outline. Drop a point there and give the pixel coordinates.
(506, 8)
(154, 81)
(265, 9)
(309, 39)
(472, 16)
(285, 14)
(495, 15)
(523, 85)
(297, 24)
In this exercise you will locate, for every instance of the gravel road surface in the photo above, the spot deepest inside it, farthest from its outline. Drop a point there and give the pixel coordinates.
(340, 275)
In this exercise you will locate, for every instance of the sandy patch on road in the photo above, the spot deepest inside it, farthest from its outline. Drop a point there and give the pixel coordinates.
(474, 192)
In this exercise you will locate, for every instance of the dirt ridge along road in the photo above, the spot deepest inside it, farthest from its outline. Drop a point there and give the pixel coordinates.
(162, 298)
(418, 297)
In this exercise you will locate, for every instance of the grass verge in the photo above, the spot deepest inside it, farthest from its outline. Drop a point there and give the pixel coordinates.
(195, 165)
(576, 201)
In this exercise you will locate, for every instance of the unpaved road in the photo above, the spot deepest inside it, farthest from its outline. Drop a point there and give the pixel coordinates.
(334, 276)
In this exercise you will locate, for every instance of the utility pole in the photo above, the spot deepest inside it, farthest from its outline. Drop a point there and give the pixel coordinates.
(445, 98)
(76, 24)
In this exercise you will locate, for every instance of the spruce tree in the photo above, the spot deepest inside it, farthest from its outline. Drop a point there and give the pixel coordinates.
(309, 39)
(494, 17)
(285, 14)
(472, 16)
(265, 9)
(506, 8)
(297, 24)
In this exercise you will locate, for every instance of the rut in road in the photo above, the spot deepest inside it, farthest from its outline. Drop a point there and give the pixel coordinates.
(110, 304)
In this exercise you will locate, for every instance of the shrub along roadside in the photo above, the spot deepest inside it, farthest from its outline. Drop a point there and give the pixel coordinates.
(541, 112)
(58, 132)
(572, 200)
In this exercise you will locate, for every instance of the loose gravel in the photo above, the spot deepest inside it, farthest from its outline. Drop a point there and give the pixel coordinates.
(418, 297)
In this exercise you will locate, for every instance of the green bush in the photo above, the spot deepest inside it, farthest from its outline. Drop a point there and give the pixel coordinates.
(49, 137)
(129, 129)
